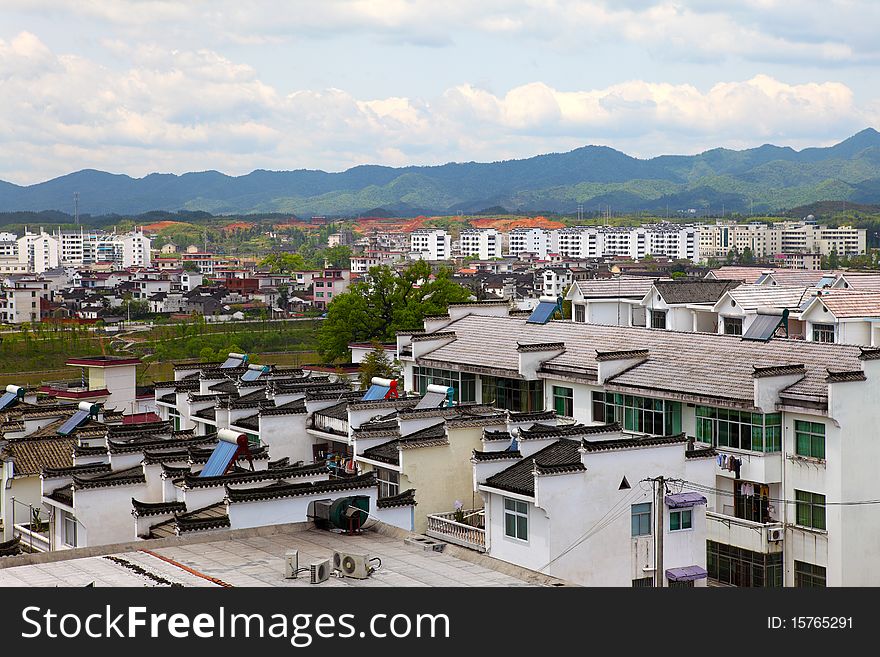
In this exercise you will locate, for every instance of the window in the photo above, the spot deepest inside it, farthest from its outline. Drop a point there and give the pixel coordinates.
(641, 519)
(823, 332)
(810, 509)
(68, 528)
(643, 583)
(808, 575)
(681, 519)
(658, 319)
(733, 326)
(563, 401)
(641, 414)
(724, 427)
(516, 519)
(741, 567)
(580, 313)
(513, 394)
(389, 482)
(464, 384)
(809, 439)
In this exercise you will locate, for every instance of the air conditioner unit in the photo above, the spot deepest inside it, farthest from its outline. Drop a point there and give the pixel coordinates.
(319, 571)
(775, 534)
(352, 565)
(291, 564)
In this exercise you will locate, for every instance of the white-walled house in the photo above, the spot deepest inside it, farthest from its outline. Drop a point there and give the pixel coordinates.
(738, 308)
(615, 301)
(576, 502)
(791, 421)
(845, 316)
(682, 305)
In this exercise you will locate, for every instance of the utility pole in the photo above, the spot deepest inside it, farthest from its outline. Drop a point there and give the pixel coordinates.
(659, 578)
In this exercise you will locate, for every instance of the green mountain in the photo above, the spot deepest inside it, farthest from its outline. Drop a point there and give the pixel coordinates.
(764, 179)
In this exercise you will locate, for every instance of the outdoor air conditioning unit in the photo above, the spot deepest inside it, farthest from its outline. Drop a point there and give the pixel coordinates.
(319, 571)
(291, 564)
(775, 534)
(352, 564)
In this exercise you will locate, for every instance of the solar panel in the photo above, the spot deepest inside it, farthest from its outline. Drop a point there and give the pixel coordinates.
(234, 360)
(432, 400)
(376, 392)
(7, 399)
(543, 313)
(763, 327)
(254, 372)
(219, 460)
(75, 420)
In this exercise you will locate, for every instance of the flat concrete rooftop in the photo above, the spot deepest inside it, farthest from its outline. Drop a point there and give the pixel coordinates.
(258, 560)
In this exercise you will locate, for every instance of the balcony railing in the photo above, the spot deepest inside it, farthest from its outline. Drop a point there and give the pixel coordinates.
(738, 532)
(33, 539)
(470, 533)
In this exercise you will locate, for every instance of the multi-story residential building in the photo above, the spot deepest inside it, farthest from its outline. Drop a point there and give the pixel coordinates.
(769, 240)
(97, 248)
(22, 300)
(8, 245)
(671, 240)
(330, 284)
(431, 244)
(788, 420)
(529, 240)
(483, 243)
(39, 251)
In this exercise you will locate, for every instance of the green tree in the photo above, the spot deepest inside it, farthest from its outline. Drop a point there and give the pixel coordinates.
(747, 257)
(833, 259)
(377, 363)
(387, 301)
(279, 263)
(338, 256)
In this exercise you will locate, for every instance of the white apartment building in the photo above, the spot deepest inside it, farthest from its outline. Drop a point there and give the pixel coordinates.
(788, 422)
(483, 243)
(431, 244)
(20, 301)
(529, 240)
(670, 240)
(39, 251)
(8, 245)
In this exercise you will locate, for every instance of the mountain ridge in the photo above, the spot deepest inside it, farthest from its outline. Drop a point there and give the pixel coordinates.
(764, 178)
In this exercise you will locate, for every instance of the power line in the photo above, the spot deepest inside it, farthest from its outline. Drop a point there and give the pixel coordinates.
(703, 488)
(601, 524)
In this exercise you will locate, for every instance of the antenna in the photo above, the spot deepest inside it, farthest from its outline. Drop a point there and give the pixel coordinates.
(76, 208)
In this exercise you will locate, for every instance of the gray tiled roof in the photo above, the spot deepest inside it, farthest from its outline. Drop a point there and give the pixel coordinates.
(519, 478)
(699, 291)
(634, 287)
(697, 364)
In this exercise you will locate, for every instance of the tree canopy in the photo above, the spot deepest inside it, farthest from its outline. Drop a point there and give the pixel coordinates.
(377, 307)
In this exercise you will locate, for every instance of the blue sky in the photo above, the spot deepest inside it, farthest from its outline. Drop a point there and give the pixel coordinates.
(136, 86)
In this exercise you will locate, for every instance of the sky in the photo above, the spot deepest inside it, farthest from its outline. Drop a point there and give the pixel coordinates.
(141, 86)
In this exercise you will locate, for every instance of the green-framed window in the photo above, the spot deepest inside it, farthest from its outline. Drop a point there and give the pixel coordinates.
(563, 401)
(810, 509)
(464, 383)
(642, 414)
(809, 575)
(724, 427)
(809, 438)
(513, 394)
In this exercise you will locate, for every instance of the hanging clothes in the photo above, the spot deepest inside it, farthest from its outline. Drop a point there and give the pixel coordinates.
(736, 466)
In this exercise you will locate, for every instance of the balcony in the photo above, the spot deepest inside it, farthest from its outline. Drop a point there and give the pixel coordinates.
(470, 533)
(765, 467)
(745, 534)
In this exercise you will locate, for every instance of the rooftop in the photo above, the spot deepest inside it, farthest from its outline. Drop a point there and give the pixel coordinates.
(256, 558)
(684, 363)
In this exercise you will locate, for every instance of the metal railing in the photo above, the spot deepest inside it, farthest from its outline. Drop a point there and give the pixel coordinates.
(470, 533)
(34, 533)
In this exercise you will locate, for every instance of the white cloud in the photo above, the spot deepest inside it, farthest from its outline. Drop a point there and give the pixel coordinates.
(187, 110)
(829, 32)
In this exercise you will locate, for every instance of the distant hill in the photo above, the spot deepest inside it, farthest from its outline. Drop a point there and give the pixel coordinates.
(764, 179)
